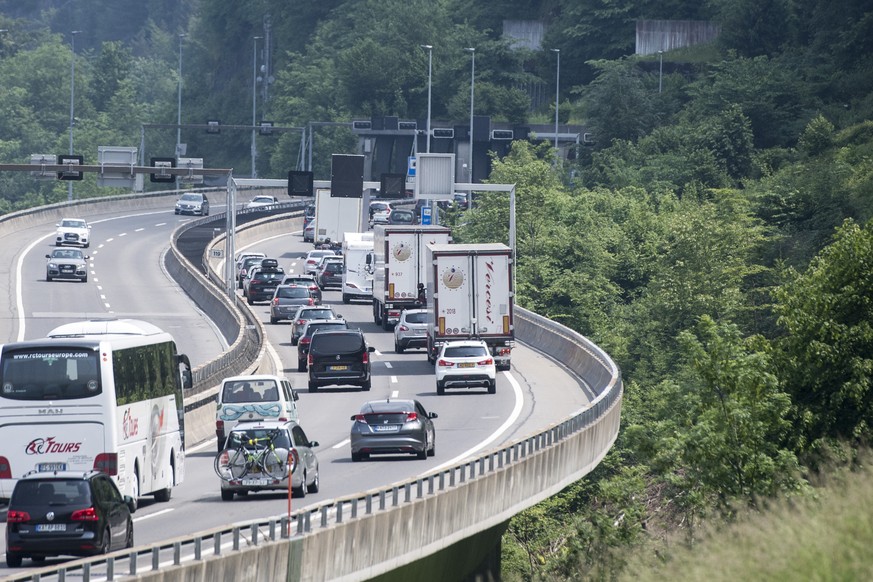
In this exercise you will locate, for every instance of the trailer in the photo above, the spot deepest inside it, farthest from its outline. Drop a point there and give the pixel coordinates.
(357, 266)
(401, 268)
(470, 294)
(335, 216)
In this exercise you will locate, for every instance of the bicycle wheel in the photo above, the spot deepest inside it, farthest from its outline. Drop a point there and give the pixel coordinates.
(222, 464)
(273, 465)
(238, 464)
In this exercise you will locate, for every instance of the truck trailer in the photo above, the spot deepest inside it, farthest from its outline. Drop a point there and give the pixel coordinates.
(335, 216)
(471, 295)
(401, 268)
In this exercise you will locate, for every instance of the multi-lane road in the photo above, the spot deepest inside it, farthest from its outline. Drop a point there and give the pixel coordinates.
(126, 280)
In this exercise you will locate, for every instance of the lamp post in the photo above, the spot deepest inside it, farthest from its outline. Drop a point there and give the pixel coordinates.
(429, 79)
(557, 93)
(179, 109)
(660, 69)
(72, 94)
(254, 104)
(472, 52)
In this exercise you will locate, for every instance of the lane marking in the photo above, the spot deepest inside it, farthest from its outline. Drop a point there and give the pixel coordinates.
(155, 514)
(516, 412)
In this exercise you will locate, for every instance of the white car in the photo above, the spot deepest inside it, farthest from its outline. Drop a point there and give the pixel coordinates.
(262, 200)
(465, 363)
(73, 231)
(313, 258)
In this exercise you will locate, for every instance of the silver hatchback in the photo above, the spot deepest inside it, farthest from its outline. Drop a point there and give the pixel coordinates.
(411, 330)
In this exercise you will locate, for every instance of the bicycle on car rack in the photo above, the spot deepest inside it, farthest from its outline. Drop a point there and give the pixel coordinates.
(244, 455)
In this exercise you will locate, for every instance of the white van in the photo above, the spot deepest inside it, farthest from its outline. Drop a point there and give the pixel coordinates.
(253, 398)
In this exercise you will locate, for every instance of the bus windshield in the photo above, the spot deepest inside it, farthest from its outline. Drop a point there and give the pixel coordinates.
(49, 374)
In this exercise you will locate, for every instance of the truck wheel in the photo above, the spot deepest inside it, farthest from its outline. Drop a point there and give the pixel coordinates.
(346, 299)
(377, 314)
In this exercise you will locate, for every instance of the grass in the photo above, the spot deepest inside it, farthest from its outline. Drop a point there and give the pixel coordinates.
(828, 538)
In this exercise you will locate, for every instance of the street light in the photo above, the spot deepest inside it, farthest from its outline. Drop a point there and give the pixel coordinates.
(429, 78)
(179, 110)
(472, 52)
(72, 93)
(660, 69)
(557, 92)
(254, 103)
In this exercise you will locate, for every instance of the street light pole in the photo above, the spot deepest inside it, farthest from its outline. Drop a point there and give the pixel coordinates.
(472, 52)
(179, 109)
(429, 79)
(660, 69)
(557, 93)
(254, 104)
(72, 94)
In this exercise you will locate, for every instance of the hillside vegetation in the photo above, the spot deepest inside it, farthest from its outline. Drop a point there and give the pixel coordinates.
(716, 239)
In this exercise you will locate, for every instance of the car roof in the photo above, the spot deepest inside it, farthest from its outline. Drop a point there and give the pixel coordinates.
(38, 475)
(254, 377)
(462, 343)
(263, 424)
(392, 404)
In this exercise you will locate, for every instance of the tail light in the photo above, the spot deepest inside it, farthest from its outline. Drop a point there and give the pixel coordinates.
(89, 514)
(219, 426)
(313, 287)
(14, 516)
(361, 418)
(403, 328)
(107, 462)
(446, 364)
(309, 360)
(311, 301)
(5, 468)
(411, 416)
(366, 358)
(275, 301)
(485, 362)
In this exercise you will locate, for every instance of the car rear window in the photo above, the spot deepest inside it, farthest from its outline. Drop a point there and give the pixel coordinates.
(317, 314)
(55, 493)
(340, 343)
(416, 317)
(292, 292)
(334, 267)
(260, 437)
(465, 351)
(332, 324)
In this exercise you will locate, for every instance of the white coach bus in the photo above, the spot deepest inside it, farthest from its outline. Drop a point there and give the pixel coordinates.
(101, 394)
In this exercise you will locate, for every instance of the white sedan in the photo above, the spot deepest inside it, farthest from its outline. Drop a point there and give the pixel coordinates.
(262, 200)
(73, 231)
(465, 363)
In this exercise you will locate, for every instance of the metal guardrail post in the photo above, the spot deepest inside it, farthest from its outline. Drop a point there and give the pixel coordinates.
(131, 557)
(216, 544)
(236, 537)
(156, 559)
(324, 511)
(198, 543)
(110, 569)
(177, 553)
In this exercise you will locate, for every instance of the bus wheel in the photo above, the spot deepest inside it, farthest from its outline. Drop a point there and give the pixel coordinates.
(163, 495)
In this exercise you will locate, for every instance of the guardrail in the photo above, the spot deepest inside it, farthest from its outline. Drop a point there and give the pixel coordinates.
(356, 537)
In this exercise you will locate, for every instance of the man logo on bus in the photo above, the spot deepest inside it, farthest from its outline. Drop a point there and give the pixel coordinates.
(41, 446)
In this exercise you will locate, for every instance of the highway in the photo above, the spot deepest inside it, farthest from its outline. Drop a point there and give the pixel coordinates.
(127, 280)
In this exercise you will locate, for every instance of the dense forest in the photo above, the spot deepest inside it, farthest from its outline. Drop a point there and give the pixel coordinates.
(716, 239)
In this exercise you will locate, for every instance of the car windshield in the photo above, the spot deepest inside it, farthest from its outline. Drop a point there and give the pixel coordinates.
(73, 223)
(67, 254)
(292, 292)
(54, 493)
(420, 317)
(191, 197)
(465, 351)
(316, 314)
(251, 390)
(255, 437)
(340, 343)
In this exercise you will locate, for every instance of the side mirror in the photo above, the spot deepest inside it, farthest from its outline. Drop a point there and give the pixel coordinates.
(371, 349)
(295, 396)
(130, 502)
(313, 444)
(432, 415)
(48, 256)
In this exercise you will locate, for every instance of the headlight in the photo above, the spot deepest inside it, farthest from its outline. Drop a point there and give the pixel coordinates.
(52, 265)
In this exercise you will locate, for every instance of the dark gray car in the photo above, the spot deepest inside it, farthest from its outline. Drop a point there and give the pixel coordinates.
(286, 299)
(393, 427)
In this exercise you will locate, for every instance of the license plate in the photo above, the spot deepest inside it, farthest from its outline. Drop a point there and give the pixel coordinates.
(51, 527)
(48, 467)
(466, 365)
(337, 368)
(386, 428)
(254, 482)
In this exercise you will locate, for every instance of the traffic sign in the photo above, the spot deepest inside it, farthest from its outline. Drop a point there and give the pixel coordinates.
(411, 166)
(426, 215)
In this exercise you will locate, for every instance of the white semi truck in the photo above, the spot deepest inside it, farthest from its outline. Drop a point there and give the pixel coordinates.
(401, 268)
(471, 294)
(357, 266)
(336, 216)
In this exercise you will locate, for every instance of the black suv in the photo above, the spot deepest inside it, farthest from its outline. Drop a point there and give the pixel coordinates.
(264, 281)
(309, 330)
(339, 357)
(66, 513)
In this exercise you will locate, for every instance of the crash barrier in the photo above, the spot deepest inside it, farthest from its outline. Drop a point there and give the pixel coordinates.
(364, 535)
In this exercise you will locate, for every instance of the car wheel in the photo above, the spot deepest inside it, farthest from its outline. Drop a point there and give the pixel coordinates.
(441, 389)
(301, 366)
(386, 325)
(313, 386)
(105, 545)
(398, 348)
(13, 560)
(293, 341)
(492, 387)
(48, 278)
(366, 386)
(356, 457)
(129, 539)
(85, 279)
(226, 495)
(87, 245)
(432, 450)
(422, 454)
(249, 301)
(273, 320)
(302, 490)
(315, 486)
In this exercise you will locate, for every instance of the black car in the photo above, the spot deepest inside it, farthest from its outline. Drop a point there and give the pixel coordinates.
(331, 275)
(263, 282)
(309, 330)
(340, 357)
(66, 513)
(401, 216)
